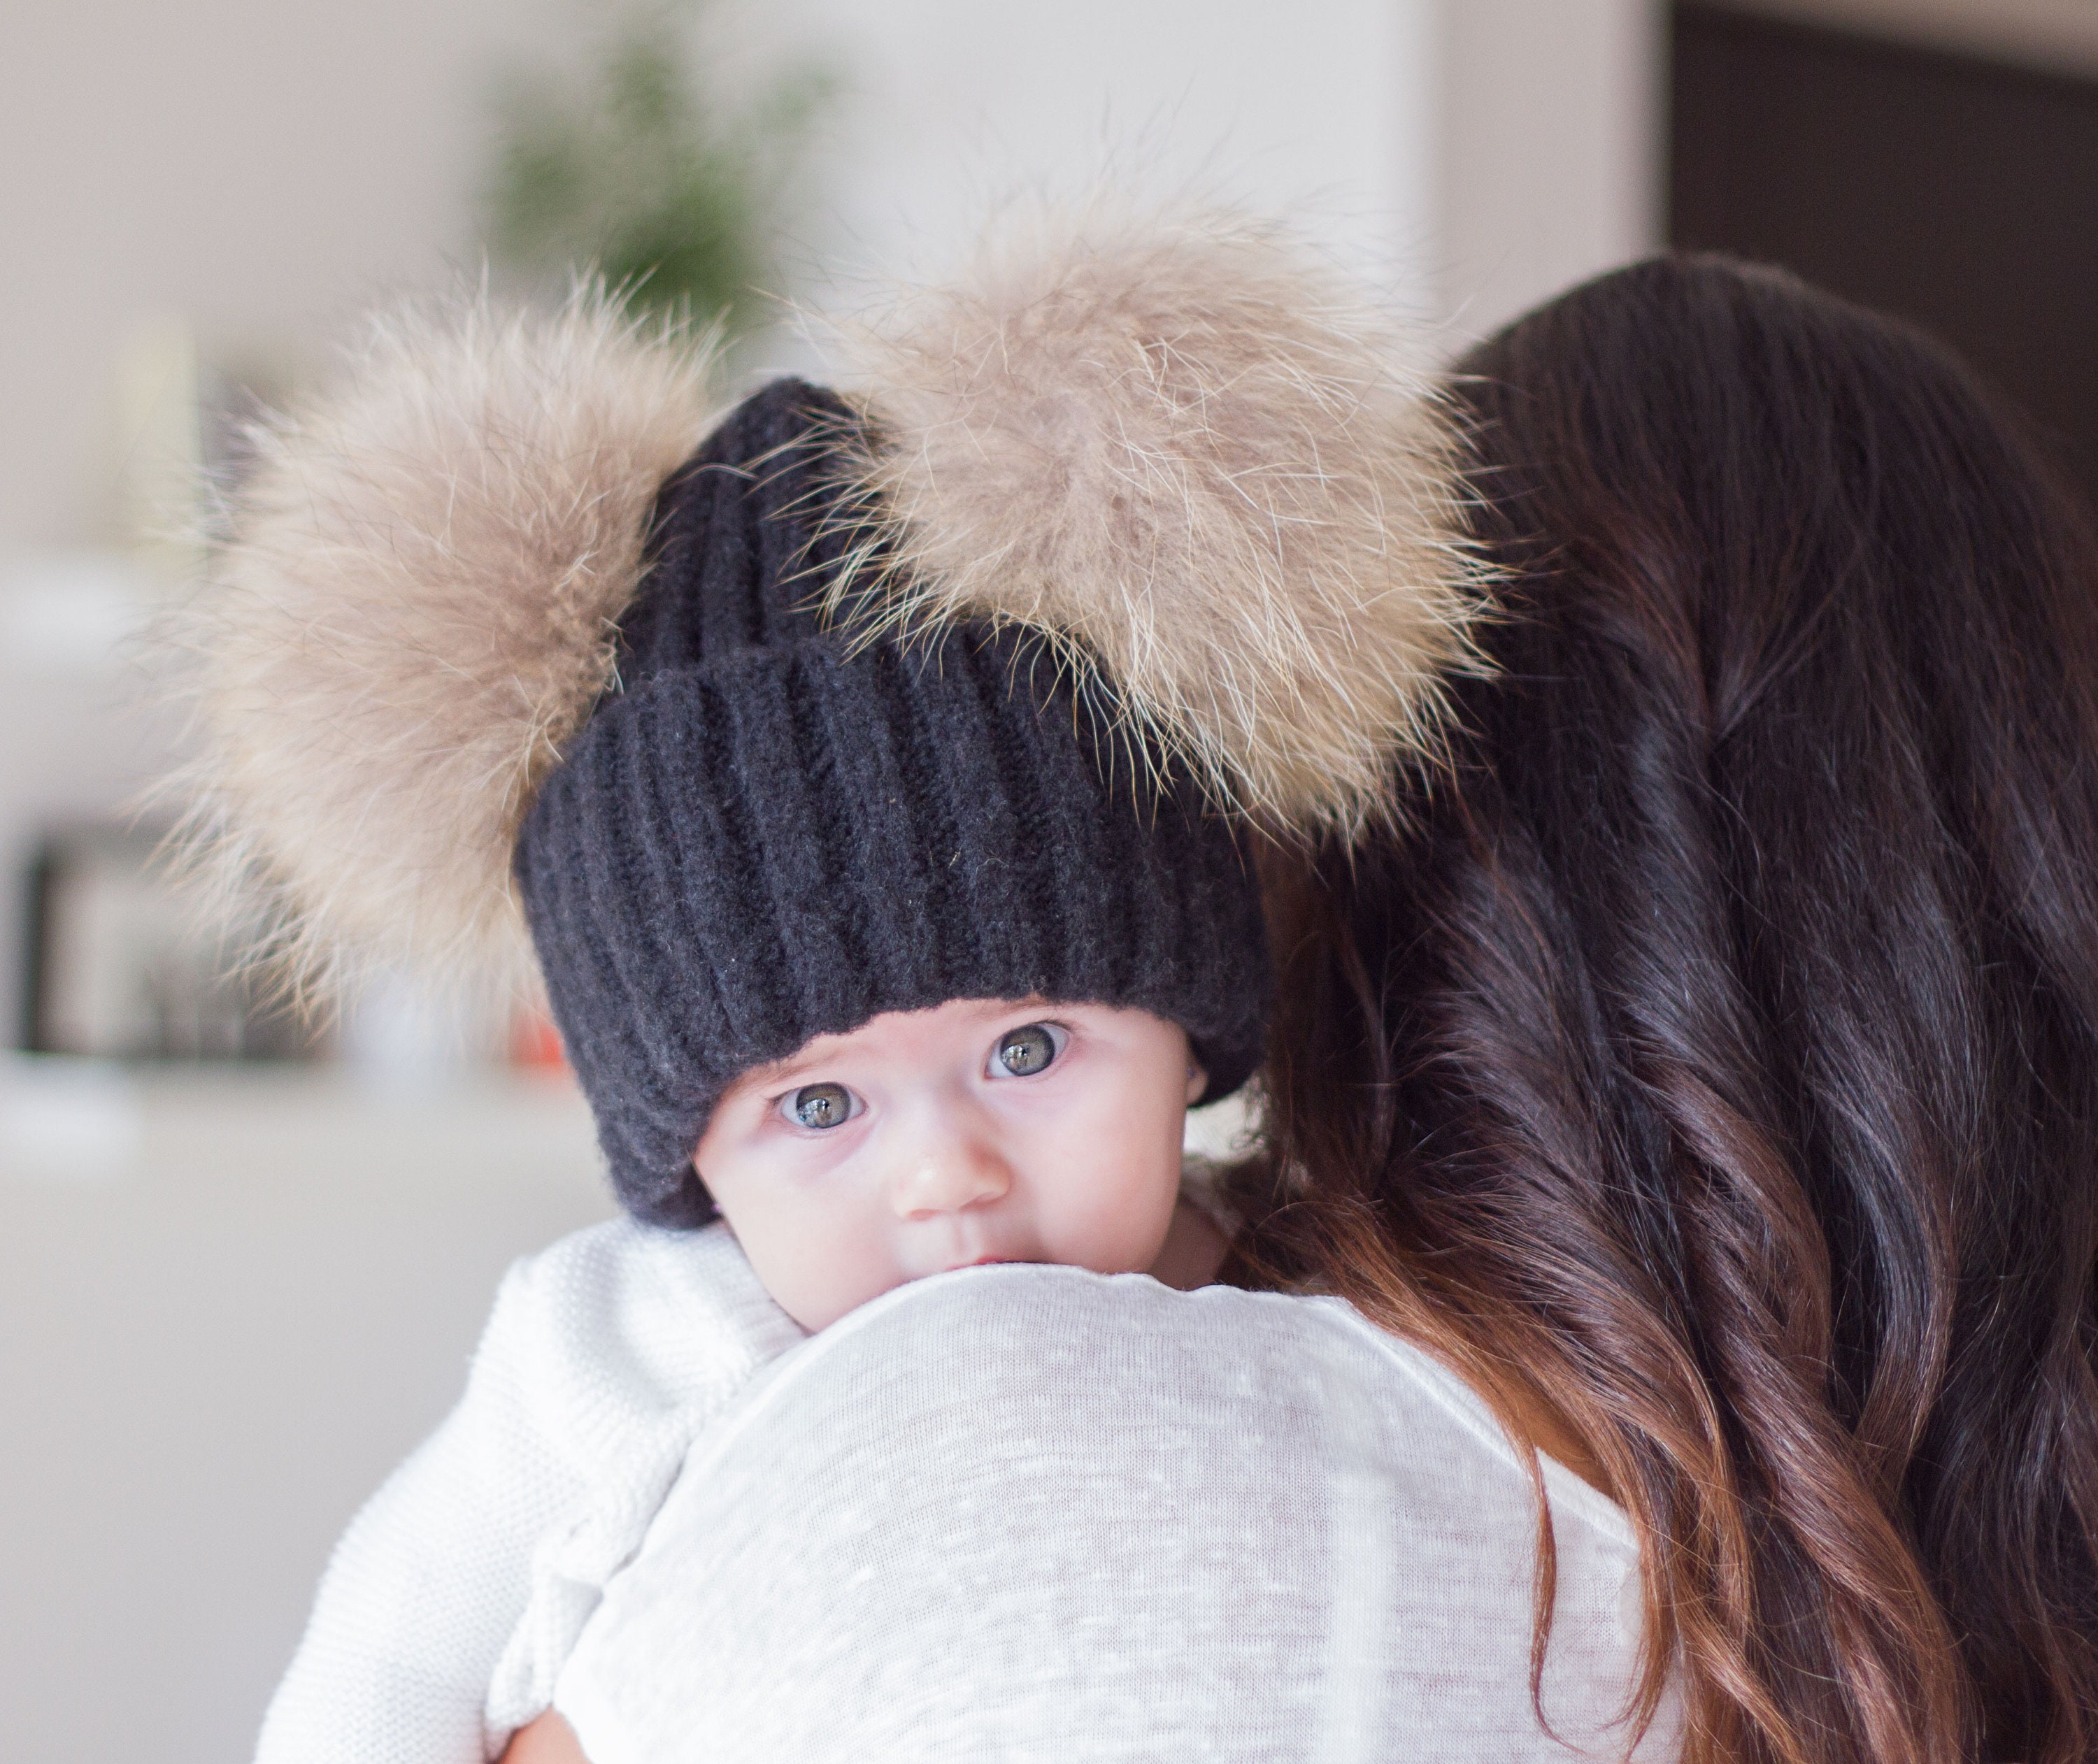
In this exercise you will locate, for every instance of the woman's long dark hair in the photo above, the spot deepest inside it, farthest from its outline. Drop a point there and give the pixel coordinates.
(1719, 1059)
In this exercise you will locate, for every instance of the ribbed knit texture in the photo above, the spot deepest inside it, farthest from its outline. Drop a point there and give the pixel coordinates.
(765, 833)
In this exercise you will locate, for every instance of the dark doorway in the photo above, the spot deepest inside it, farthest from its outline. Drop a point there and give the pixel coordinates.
(1958, 192)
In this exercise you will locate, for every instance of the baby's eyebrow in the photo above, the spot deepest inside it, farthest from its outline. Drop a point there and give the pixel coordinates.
(797, 1064)
(780, 1070)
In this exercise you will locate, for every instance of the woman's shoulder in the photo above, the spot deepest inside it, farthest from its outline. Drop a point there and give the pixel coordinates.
(1392, 1442)
(1443, 1406)
(1220, 1519)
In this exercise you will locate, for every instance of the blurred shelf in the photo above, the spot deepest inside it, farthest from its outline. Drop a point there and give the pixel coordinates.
(245, 1129)
(231, 1299)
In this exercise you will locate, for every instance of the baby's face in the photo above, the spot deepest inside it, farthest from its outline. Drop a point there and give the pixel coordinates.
(980, 1130)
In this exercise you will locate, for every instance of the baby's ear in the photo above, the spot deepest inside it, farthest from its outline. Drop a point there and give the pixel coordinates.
(1198, 1081)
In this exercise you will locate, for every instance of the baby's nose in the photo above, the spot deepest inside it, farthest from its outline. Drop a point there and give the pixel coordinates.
(947, 1172)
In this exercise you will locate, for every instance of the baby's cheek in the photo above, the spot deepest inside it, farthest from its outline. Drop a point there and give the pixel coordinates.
(1116, 1222)
(833, 1271)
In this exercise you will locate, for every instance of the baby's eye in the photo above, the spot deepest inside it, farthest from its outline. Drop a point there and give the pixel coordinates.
(1023, 1051)
(819, 1106)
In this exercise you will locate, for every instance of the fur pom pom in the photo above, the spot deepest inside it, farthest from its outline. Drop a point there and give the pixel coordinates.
(414, 609)
(1190, 456)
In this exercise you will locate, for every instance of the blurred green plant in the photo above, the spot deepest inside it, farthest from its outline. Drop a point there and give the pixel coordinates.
(644, 176)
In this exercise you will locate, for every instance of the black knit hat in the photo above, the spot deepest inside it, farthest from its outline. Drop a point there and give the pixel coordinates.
(837, 705)
(769, 831)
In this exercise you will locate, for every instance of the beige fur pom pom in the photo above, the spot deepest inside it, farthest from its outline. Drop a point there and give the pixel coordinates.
(1193, 457)
(414, 610)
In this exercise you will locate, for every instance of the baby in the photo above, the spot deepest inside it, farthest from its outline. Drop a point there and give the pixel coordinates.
(890, 928)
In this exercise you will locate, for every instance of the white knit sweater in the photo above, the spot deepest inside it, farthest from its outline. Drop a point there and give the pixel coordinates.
(603, 1356)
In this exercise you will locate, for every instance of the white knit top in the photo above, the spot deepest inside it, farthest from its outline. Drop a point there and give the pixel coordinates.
(603, 1357)
(1017, 1512)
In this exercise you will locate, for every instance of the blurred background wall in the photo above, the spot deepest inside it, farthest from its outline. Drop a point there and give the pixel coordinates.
(234, 1290)
(263, 172)
(1947, 173)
